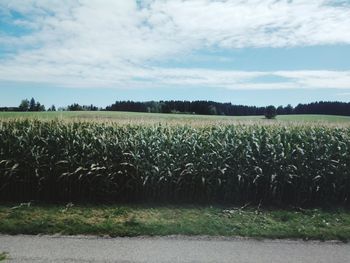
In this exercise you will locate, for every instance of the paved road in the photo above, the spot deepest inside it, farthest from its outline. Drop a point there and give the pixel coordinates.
(169, 249)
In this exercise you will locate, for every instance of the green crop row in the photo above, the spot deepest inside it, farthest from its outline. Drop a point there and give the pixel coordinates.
(56, 161)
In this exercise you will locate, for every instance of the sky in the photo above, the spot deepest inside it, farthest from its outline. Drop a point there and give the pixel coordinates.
(252, 52)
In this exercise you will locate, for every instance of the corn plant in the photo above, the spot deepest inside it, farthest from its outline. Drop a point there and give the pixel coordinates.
(56, 161)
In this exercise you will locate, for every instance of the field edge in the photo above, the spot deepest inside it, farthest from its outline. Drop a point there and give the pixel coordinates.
(192, 221)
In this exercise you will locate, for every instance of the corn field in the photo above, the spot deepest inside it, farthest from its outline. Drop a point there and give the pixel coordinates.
(55, 161)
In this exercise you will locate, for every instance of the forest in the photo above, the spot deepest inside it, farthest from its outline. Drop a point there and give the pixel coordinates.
(229, 109)
(200, 107)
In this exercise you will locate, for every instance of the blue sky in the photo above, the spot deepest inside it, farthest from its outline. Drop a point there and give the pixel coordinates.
(245, 52)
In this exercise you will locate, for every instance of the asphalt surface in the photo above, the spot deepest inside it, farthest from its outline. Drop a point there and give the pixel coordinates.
(169, 249)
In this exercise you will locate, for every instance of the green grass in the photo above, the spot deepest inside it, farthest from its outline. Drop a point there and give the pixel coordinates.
(169, 220)
(127, 117)
(314, 117)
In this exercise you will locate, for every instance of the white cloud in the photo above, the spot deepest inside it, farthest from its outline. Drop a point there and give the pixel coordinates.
(110, 43)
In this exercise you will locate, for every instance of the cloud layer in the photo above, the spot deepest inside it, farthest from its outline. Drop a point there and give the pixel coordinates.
(108, 43)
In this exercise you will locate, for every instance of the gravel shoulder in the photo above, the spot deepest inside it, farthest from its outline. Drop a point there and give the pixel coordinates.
(26, 248)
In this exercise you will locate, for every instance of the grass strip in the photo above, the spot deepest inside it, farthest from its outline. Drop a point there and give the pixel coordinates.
(136, 220)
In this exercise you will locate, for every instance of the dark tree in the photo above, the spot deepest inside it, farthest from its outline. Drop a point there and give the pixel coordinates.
(32, 105)
(39, 107)
(280, 110)
(24, 106)
(77, 107)
(52, 108)
(270, 112)
(212, 110)
(288, 110)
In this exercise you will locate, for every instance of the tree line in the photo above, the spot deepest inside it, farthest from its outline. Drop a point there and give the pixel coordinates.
(31, 105)
(229, 109)
(200, 107)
